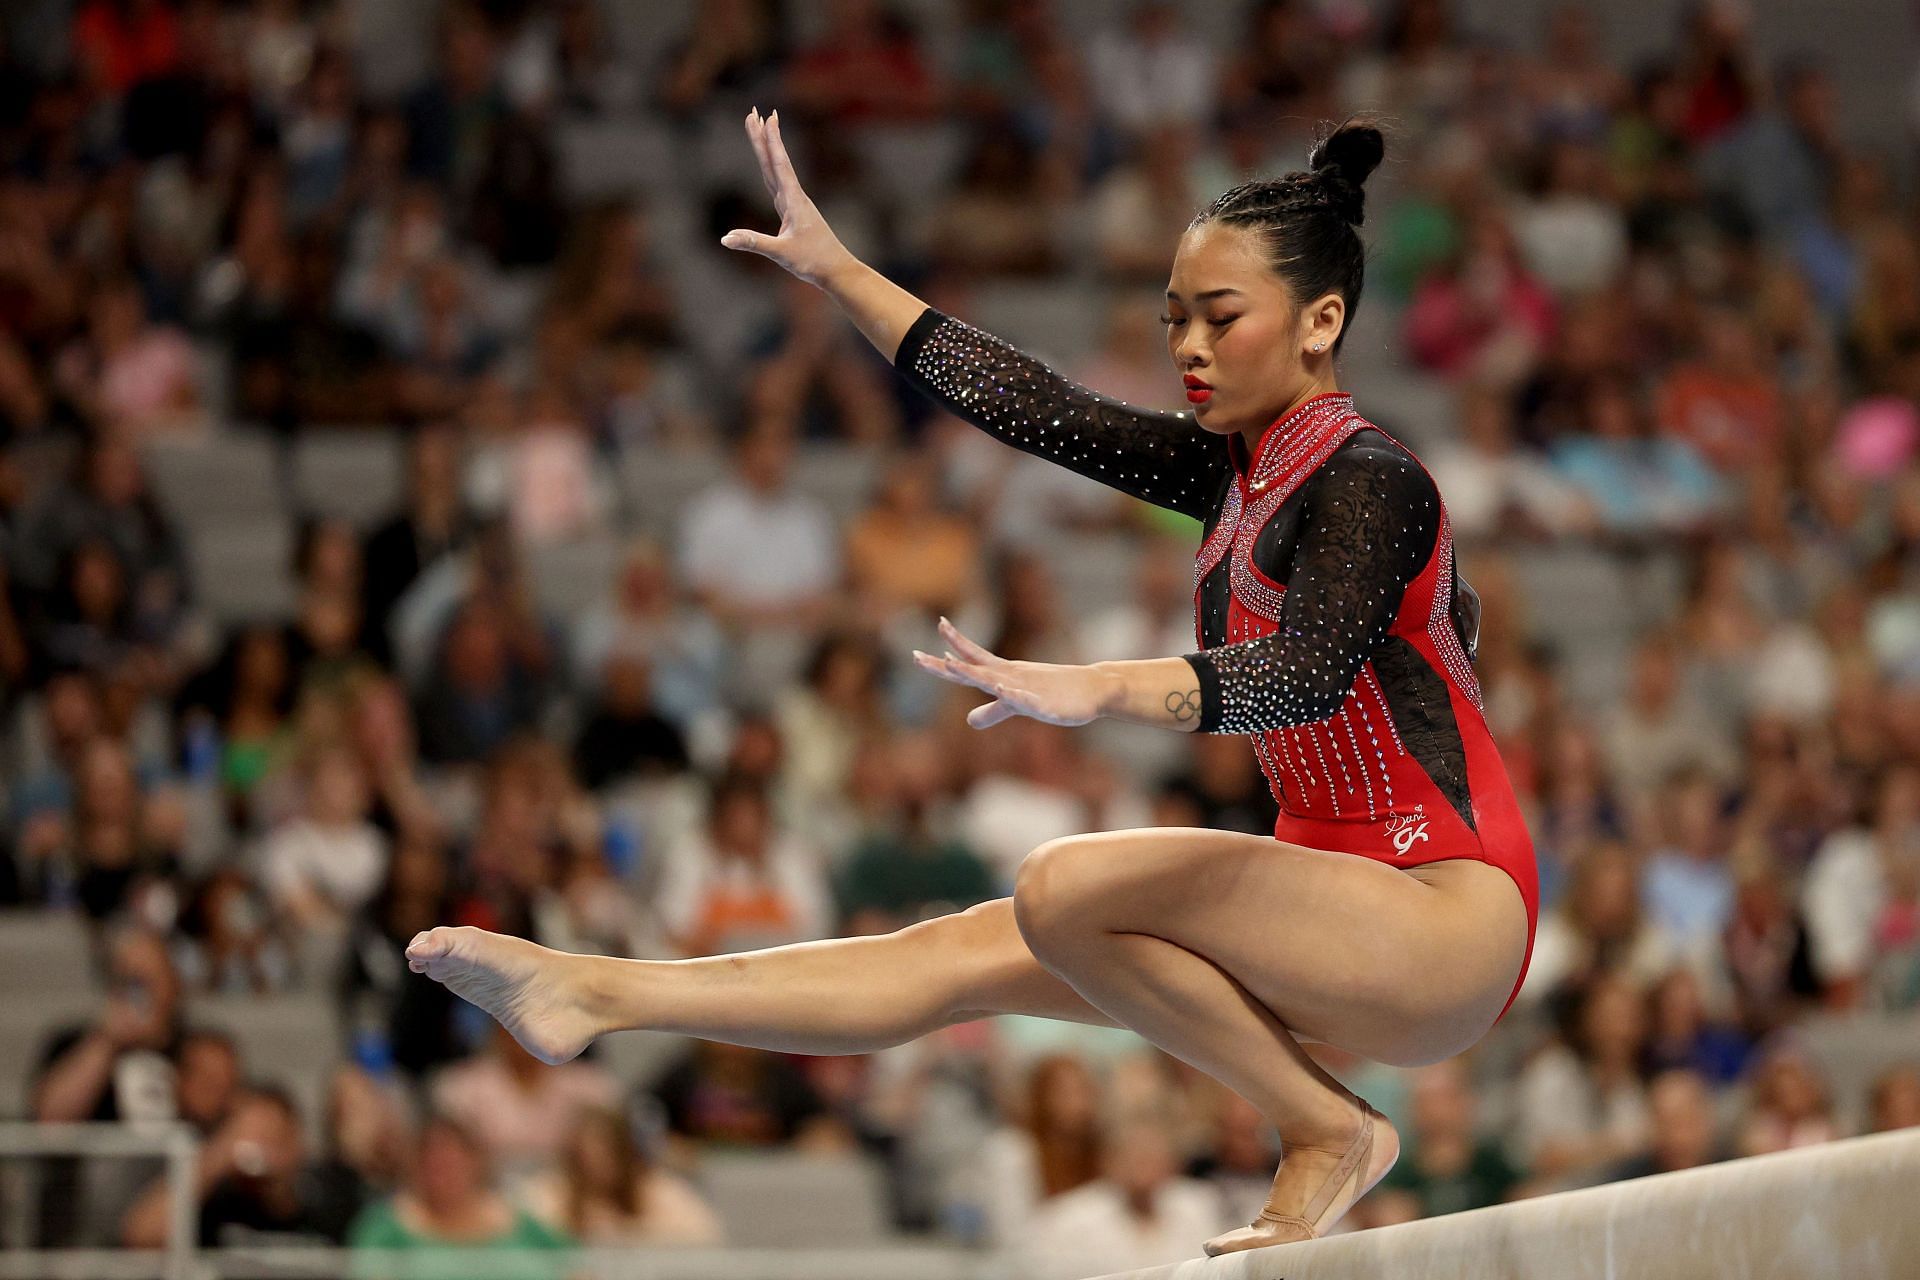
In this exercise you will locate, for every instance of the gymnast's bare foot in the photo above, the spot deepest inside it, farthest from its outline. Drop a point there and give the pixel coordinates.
(536, 993)
(1315, 1187)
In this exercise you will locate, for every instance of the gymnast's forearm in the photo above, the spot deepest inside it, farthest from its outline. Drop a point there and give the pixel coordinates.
(1162, 692)
(878, 307)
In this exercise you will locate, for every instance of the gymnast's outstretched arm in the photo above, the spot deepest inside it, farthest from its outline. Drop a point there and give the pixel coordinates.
(1162, 458)
(1371, 520)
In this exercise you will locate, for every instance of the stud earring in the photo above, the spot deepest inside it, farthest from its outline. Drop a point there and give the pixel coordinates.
(1318, 345)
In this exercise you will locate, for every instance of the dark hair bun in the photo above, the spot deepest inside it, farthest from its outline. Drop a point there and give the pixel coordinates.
(1341, 160)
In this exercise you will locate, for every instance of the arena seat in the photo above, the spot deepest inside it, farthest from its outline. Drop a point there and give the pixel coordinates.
(45, 951)
(657, 486)
(232, 475)
(356, 474)
(911, 164)
(1417, 410)
(243, 570)
(1576, 595)
(842, 476)
(290, 1038)
(796, 1199)
(616, 156)
(570, 577)
(1095, 570)
(1054, 320)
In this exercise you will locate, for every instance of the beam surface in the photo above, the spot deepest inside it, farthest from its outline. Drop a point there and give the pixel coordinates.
(1848, 1209)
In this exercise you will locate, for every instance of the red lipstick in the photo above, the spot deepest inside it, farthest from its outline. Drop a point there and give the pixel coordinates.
(1198, 392)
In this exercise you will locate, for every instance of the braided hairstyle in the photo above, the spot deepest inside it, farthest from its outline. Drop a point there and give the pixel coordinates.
(1307, 218)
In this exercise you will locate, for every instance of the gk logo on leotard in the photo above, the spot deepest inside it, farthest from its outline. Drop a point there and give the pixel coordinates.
(1405, 828)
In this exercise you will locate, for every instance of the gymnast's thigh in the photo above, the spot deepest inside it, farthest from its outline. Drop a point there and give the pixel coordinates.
(1401, 966)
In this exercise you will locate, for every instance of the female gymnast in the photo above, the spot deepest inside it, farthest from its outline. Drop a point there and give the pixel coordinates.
(1331, 628)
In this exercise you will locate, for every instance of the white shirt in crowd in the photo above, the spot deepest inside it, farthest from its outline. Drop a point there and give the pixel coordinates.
(760, 549)
(344, 865)
(1089, 1231)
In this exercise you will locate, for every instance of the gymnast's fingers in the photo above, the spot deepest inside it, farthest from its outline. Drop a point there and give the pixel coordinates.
(988, 714)
(757, 135)
(968, 649)
(953, 669)
(788, 181)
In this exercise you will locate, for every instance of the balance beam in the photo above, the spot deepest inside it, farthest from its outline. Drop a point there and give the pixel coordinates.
(1848, 1209)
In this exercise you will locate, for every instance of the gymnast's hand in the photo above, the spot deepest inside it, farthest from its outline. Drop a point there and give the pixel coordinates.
(805, 245)
(1047, 691)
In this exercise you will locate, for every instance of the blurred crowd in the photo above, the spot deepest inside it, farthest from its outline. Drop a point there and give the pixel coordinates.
(1675, 312)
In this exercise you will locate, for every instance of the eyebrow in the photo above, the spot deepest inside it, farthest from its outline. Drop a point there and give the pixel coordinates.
(1210, 293)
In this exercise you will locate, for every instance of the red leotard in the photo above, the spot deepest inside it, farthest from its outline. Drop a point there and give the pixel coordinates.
(1347, 782)
(1332, 626)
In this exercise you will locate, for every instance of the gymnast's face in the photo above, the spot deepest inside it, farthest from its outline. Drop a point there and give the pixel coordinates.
(1238, 339)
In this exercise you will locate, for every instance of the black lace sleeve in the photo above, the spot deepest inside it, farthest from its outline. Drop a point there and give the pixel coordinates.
(1164, 458)
(1369, 521)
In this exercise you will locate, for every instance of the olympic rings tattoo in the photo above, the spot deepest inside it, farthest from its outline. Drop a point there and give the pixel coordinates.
(1184, 706)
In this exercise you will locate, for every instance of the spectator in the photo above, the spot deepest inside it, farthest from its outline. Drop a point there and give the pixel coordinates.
(1846, 887)
(448, 1203)
(1684, 1036)
(607, 1191)
(1284, 66)
(1789, 1106)
(1581, 1104)
(432, 526)
(1481, 315)
(1448, 1167)
(248, 695)
(822, 719)
(626, 736)
(906, 553)
(812, 378)
(1141, 208)
(1139, 1213)
(1572, 235)
(1049, 1146)
(1684, 1128)
(733, 1096)
(1152, 72)
(1044, 787)
(1718, 74)
(542, 478)
(734, 46)
(866, 68)
(763, 560)
(409, 1015)
(1894, 1100)
(1725, 403)
(129, 375)
(321, 867)
(119, 1067)
(1776, 165)
(1491, 487)
(742, 883)
(253, 1183)
(905, 869)
(991, 223)
(1688, 885)
(1641, 484)
(517, 1108)
(643, 398)
(1657, 729)
(105, 500)
(481, 692)
(1242, 1149)
(103, 856)
(644, 614)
